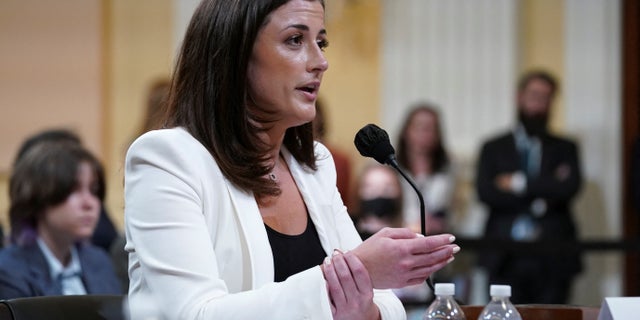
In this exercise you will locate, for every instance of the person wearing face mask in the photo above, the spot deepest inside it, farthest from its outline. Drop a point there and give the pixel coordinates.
(528, 178)
(379, 205)
(379, 200)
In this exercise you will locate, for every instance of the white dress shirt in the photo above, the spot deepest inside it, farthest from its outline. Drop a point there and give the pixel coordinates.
(69, 276)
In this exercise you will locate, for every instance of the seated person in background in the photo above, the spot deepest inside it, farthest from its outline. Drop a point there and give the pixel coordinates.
(105, 233)
(422, 153)
(55, 191)
(379, 200)
(379, 204)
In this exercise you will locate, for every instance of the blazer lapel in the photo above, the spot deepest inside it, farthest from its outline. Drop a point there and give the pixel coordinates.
(248, 213)
(511, 151)
(39, 270)
(546, 158)
(91, 280)
(252, 226)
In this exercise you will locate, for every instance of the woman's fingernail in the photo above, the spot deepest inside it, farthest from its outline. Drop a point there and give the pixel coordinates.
(456, 249)
(451, 259)
(336, 252)
(452, 239)
(420, 235)
(327, 261)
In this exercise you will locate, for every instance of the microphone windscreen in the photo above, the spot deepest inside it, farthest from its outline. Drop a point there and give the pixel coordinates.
(372, 141)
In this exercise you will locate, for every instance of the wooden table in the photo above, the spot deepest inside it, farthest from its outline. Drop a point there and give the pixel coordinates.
(542, 312)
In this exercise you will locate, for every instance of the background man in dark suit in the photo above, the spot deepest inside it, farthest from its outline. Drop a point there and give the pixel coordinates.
(528, 177)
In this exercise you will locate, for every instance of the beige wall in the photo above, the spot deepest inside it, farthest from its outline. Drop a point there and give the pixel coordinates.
(131, 46)
(350, 87)
(134, 47)
(542, 45)
(139, 50)
(85, 65)
(50, 75)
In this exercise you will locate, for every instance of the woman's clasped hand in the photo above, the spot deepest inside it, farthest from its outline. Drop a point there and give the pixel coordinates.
(391, 258)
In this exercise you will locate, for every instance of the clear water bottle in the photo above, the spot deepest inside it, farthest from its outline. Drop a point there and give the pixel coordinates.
(444, 306)
(500, 307)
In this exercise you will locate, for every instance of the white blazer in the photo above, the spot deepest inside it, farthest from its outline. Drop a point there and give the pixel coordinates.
(198, 248)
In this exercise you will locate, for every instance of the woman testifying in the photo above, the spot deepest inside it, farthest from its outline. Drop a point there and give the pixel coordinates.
(232, 210)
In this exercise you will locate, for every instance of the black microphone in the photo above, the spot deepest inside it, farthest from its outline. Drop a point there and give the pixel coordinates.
(373, 142)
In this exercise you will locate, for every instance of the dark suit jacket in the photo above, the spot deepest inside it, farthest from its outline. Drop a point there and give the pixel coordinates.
(24, 272)
(557, 183)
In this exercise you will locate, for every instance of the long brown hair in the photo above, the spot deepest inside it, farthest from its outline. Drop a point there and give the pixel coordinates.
(208, 95)
(439, 157)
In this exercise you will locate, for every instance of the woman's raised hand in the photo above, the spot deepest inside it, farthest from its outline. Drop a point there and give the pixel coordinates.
(398, 257)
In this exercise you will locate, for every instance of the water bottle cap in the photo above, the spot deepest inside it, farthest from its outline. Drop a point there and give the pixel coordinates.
(445, 289)
(500, 290)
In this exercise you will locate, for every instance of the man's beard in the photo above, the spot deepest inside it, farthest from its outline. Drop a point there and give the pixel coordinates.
(534, 125)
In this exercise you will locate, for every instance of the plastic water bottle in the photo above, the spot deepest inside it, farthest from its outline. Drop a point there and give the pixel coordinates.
(500, 307)
(444, 306)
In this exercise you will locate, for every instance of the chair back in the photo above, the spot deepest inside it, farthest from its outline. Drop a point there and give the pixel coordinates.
(86, 307)
(5, 313)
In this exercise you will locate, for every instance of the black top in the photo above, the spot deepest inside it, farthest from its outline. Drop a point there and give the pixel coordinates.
(295, 253)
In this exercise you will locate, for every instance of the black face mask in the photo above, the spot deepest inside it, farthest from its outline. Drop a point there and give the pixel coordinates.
(535, 126)
(379, 207)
